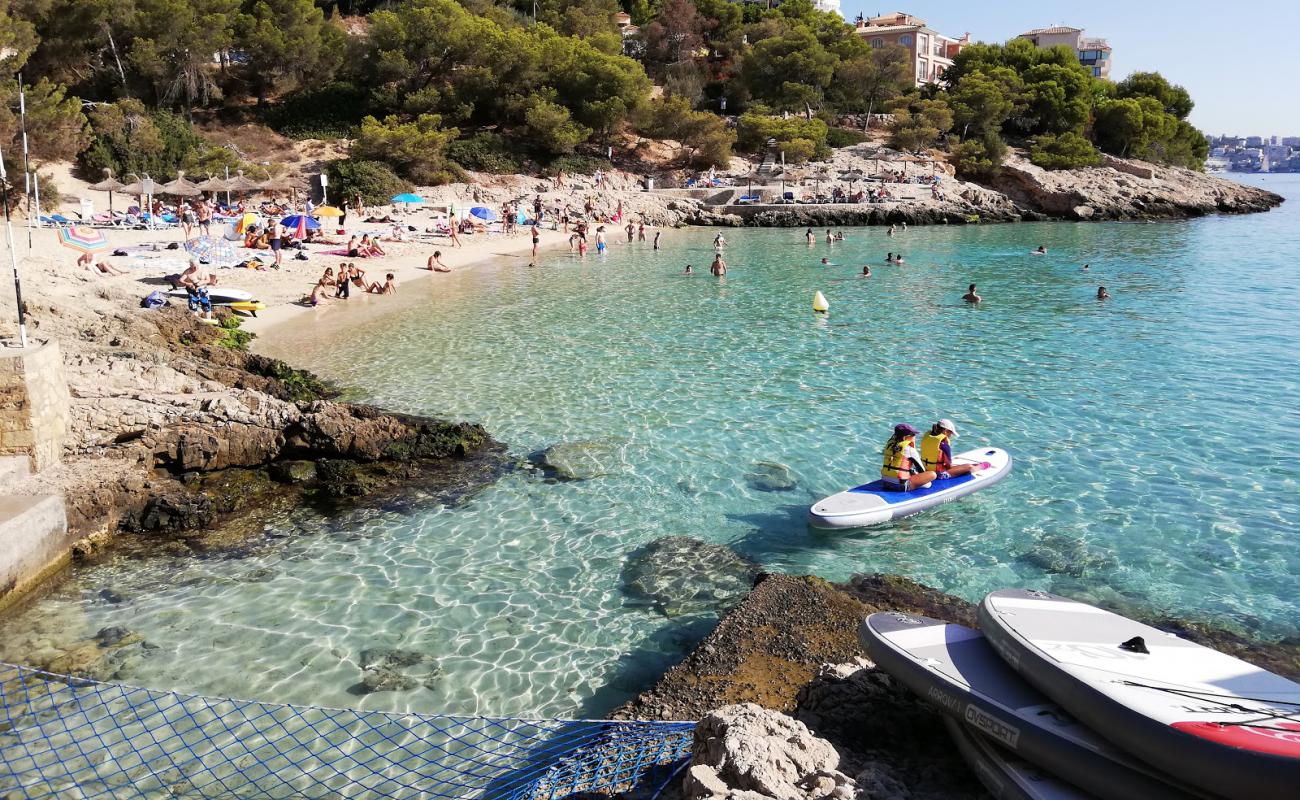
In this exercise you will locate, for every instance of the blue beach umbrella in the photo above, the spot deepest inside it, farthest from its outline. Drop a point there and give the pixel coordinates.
(485, 214)
(407, 198)
(294, 220)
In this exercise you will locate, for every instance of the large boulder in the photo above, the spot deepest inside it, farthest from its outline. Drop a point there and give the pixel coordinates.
(745, 748)
(678, 575)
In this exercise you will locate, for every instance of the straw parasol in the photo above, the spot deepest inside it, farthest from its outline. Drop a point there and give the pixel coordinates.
(110, 185)
(242, 185)
(212, 184)
(180, 187)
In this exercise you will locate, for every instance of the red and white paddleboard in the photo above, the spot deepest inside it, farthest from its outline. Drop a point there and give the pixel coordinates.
(1203, 717)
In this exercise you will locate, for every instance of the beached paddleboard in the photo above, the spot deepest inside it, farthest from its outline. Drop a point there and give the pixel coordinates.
(1211, 719)
(219, 297)
(1005, 776)
(871, 503)
(954, 668)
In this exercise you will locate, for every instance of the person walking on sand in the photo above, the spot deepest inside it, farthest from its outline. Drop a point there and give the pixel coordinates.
(204, 214)
(719, 267)
(276, 241)
(454, 227)
(435, 263)
(970, 296)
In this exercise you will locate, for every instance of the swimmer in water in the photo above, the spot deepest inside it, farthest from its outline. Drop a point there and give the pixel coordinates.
(825, 263)
(689, 271)
(891, 230)
(971, 296)
(889, 258)
(866, 271)
(1102, 294)
(898, 259)
(1084, 268)
(1041, 251)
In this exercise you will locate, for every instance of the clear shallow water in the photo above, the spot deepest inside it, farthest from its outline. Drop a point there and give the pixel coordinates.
(1154, 436)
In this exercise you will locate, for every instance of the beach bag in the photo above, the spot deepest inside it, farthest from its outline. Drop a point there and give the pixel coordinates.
(154, 299)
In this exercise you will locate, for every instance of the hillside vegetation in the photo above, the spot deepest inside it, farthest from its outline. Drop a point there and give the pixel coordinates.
(428, 88)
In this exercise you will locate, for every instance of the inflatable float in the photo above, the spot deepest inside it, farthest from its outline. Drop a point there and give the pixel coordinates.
(871, 503)
(959, 673)
(1212, 720)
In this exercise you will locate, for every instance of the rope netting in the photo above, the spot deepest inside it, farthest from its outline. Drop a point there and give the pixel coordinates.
(65, 737)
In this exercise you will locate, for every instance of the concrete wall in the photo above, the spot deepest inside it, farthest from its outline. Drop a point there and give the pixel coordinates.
(34, 543)
(33, 403)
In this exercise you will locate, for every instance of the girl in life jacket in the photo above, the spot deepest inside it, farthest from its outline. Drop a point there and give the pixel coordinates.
(936, 453)
(903, 469)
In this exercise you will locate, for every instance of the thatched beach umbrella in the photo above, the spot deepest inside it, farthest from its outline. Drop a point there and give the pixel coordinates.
(212, 184)
(242, 185)
(180, 187)
(110, 185)
(852, 176)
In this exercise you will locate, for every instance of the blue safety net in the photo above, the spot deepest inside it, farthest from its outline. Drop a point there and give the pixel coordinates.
(66, 737)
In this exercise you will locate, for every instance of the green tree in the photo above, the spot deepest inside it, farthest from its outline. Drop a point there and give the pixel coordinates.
(1067, 151)
(980, 158)
(788, 70)
(1175, 99)
(917, 126)
(289, 43)
(415, 150)
(551, 128)
(704, 134)
(18, 39)
(174, 45)
(982, 103)
(869, 79)
(373, 180)
(56, 127)
(753, 131)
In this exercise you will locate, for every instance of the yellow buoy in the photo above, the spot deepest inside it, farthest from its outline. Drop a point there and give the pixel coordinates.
(819, 303)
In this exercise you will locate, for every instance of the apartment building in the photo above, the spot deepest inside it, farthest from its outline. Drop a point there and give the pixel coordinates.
(1094, 53)
(932, 52)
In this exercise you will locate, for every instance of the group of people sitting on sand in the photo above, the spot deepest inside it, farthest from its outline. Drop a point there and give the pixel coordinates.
(339, 285)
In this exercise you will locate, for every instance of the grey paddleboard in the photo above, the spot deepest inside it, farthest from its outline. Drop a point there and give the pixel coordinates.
(954, 668)
(1214, 721)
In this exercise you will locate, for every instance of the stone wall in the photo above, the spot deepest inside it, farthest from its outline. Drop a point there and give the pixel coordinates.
(34, 403)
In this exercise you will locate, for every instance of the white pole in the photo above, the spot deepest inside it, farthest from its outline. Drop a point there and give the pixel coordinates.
(13, 256)
(27, 176)
(36, 185)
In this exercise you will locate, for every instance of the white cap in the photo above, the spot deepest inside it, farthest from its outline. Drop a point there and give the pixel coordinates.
(947, 425)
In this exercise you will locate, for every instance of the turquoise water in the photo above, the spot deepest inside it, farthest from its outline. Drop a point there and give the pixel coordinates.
(1154, 436)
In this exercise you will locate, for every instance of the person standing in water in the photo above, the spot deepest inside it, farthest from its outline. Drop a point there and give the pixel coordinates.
(537, 237)
(656, 245)
(719, 267)
(600, 240)
(812, 240)
(971, 297)
(719, 242)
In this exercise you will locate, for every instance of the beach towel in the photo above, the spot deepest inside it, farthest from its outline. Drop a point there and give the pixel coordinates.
(340, 252)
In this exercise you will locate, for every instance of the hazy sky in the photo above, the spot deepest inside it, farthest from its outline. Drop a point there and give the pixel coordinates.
(1240, 60)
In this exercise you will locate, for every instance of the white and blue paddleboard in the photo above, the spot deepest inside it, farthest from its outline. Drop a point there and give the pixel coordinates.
(1005, 776)
(1212, 720)
(218, 297)
(871, 503)
(957, 671)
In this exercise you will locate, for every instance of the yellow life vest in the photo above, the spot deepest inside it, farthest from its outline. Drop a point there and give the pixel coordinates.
(896, 461)
(931, 452)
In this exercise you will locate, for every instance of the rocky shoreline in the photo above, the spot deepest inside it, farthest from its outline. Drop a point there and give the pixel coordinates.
(790, 708)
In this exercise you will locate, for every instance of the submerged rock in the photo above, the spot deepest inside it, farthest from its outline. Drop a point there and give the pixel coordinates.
(679, 574)
(293, 472)
(770, 476)
(1059, 554)
(579, 461)
(387, 669)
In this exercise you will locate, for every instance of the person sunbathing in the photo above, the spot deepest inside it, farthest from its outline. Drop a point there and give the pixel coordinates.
(86, 261)
(435, 263)
(370, 247)
(389, 286)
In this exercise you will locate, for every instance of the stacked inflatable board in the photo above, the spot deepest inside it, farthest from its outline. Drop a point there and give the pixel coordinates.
(1099, 703)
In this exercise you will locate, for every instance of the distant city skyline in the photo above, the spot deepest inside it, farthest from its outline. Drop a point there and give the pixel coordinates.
(1241, 81)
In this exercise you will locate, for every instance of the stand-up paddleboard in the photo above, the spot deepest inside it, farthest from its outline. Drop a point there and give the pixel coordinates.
(1204, 716)
(954, 668)
(219, 297)
(1005, 776)
(871, 503)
